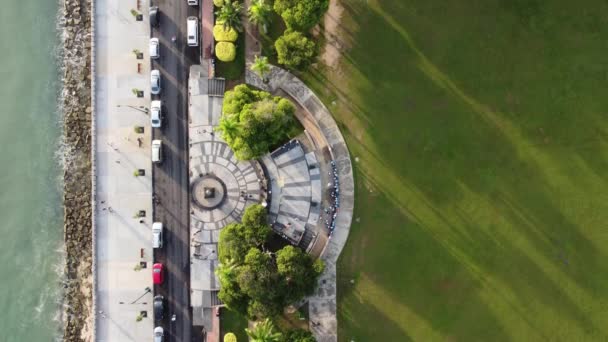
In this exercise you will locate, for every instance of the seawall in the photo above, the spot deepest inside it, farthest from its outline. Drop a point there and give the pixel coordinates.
(77, 108)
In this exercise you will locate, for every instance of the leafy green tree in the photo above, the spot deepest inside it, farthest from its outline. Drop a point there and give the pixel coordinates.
(259, 280)
(228, 126)
(298, 335)
(298, 271)
(236, 239)
(230, 337)
(301, 15)
(230, 15)
(259, 14)
(261, 67)
(295, 50)
(263, 121)
(264, 332)
(230, 291)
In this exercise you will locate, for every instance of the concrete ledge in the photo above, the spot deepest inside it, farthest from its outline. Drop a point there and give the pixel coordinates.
(324, 324)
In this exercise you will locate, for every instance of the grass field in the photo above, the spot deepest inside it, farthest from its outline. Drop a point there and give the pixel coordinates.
(482, 182)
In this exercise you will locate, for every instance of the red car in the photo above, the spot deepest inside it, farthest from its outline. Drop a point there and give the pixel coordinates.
(157, 274)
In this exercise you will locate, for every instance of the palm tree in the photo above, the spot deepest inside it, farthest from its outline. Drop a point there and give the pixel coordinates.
(228, 126)
(230, 15)
(259, 13)
(264, 332)
(261, 67)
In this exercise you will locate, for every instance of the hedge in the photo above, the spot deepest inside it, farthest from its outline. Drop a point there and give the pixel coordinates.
(225, 51)
(222, 35)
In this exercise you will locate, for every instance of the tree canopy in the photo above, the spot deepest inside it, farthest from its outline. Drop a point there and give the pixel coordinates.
(236, 239)
(256, 121)
(295, 50)
(254, 281)
(301, 15)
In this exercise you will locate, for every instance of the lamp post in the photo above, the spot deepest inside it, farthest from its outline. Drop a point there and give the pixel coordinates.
(147, 290)
(140, 108)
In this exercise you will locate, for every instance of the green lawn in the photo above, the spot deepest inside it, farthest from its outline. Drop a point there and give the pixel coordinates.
(231, 321)
(482, 182)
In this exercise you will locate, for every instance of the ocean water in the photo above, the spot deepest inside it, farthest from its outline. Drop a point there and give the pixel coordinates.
(31, 213)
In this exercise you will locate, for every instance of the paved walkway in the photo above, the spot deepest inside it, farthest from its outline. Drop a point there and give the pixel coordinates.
(322, 305)
(122, 241)
(221, 187)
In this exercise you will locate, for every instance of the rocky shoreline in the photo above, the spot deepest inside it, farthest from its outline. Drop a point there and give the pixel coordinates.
(75, 22)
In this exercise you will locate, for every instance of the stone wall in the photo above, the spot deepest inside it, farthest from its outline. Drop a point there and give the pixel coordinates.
(76, 103)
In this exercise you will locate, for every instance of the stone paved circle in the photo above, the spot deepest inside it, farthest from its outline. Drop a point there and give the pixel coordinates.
(236, 184)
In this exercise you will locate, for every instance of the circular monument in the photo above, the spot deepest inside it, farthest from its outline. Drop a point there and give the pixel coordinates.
(208, 192)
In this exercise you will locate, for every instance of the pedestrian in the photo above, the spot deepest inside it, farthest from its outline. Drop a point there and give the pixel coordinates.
(102, 202)
(110, 209)
(118, 162)
(104, 208)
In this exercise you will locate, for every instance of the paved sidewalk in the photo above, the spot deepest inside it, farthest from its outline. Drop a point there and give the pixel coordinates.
(122, 241)
(322, 305)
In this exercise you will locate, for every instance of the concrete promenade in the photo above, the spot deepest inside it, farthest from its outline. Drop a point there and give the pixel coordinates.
(123, 241)
(322, 305)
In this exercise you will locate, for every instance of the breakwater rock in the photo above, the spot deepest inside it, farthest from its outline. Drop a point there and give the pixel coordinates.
(76, 102)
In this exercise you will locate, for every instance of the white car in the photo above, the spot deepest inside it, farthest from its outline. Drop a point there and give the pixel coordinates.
(157, 151)
(193, 2)
(155, 82)
(159, 332)
(157, 235)
(154, 48)
(156, 115)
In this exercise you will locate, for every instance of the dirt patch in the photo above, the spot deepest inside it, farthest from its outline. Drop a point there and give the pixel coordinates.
(333, 45)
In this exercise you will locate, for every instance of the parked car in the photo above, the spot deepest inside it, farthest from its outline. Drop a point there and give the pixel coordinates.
(157, 274)
(154, 17)
(155, 82)
(156, 115)
(154, 48)
(157, 235)
(193, 2)
(157, 151)
(159, 333)
(192, 31)
(159, 307)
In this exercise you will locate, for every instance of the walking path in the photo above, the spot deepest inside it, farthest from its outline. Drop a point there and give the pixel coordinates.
(123, 241)
(322, 305)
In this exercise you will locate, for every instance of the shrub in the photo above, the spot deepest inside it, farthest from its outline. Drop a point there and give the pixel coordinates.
(218, 3)
(230, 337)
(301, 14)
(224, 35)
(294, 50)
(225, 51)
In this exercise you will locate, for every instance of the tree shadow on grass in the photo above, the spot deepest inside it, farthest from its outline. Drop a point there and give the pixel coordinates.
(429, 162)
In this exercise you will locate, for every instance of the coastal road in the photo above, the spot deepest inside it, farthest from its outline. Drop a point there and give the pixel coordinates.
(170, 178)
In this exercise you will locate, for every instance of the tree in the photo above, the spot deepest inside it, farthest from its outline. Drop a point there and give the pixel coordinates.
(264, 332)
(228, 126)
(298, 335)
(259, 280)
(294, 50)
(236, 239)
(261, 67)
(230, 15)
(263, 121)
(298, 271)
(259, 14)
(301, 15)
(230, 292)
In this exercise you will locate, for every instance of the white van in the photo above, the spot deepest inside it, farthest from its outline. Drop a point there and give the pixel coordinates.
(192, 30)
(157, 151)
(157, 235)
(193, 2)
